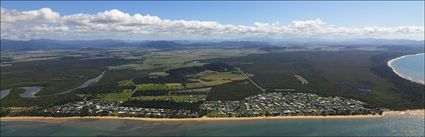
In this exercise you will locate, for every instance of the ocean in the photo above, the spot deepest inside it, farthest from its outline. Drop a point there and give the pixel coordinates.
(393, 125)
(410, 67)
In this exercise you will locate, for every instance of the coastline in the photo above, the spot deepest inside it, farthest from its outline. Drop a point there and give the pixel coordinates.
(53, 119)
(412, 112)
(390, 64)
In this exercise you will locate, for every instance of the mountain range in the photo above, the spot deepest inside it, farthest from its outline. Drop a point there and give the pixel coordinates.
(48, 44)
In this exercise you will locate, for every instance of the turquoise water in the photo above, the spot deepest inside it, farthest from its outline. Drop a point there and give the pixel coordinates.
(411, 66)
(396, 125)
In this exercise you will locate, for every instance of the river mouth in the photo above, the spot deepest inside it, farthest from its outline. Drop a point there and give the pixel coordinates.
(4, 93)
(85, 84)
(31, 91)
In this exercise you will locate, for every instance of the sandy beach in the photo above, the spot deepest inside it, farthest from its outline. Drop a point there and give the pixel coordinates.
(182, 119)
(413, 112)
(390, 64)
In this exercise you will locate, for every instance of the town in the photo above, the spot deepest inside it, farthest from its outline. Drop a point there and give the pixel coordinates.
(284, 104)
(110, 108)
(265, 104)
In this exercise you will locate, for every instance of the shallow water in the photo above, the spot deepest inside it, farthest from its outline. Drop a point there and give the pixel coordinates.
(411, 66)
(30, 91)
(85, 84)
(397, 125)
(4, 93)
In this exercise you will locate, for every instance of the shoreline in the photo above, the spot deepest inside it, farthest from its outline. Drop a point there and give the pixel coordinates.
(412, 112)
(390, 64)
(58, 119)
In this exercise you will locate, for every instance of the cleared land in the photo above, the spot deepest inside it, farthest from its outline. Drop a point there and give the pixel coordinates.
(121, 96)
(301, 79)
(212, 78)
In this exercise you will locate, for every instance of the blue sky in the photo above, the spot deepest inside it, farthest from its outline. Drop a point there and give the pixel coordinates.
(350, 14)
(211, 19)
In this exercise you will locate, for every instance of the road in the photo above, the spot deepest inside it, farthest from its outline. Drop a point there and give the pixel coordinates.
(253, 82)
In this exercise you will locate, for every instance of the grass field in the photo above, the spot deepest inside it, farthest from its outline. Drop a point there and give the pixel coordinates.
(213, 78)
(151, 86)
(174, 86)
(121, 96)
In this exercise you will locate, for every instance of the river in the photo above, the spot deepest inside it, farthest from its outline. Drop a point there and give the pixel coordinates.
(85, 84)
(30, 91)
(4, 93)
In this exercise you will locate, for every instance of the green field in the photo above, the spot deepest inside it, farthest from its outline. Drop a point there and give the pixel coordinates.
(212, 78)
(121, 96)
(151, 86)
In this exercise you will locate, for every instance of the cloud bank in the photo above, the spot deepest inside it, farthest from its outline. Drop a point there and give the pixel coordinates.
(115, 24)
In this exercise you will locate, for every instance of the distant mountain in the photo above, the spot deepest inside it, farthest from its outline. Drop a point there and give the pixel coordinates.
(384, 42)
(28, 45)
(161, 44)
(47, 44)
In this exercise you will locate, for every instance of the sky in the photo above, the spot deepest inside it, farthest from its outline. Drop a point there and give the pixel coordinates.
(211, 20)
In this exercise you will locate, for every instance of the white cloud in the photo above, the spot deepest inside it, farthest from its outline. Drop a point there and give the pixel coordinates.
(40, 15)
(46, 28)
(113, 23)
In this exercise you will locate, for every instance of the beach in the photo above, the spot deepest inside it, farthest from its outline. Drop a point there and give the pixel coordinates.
(182, 119)
(413, 112)
(390, 63)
